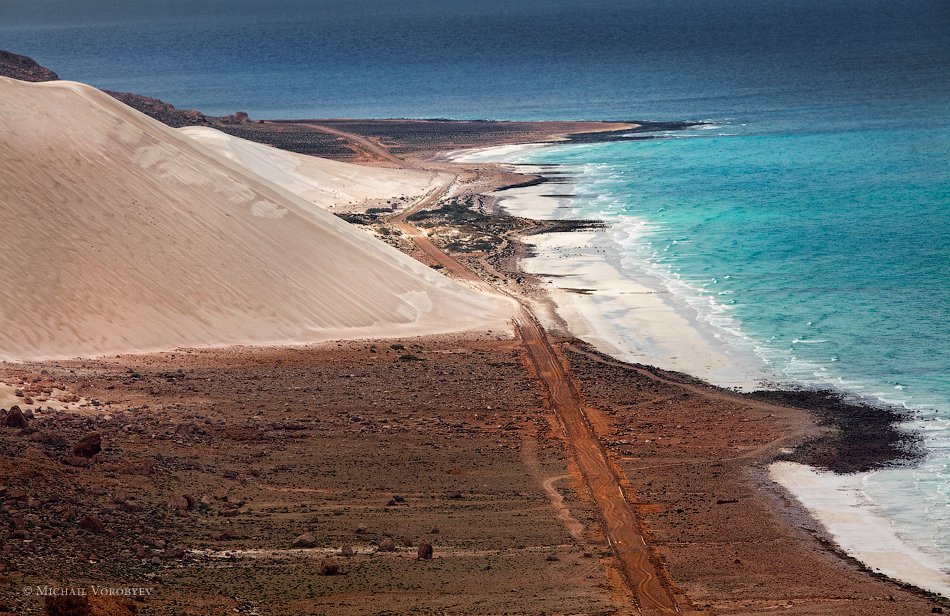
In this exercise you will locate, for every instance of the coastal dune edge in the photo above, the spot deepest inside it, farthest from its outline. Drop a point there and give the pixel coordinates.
(150, 240)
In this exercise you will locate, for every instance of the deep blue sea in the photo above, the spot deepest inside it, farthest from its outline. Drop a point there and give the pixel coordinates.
(811, 217)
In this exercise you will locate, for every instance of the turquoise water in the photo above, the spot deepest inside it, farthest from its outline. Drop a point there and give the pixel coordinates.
(823, 253)
(832, 250)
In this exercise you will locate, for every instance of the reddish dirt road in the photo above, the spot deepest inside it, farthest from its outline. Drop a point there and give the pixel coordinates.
(621, 525)
(369, 149)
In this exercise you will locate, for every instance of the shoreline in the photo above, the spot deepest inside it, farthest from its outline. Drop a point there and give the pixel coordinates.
(583, 273)
(585, 282)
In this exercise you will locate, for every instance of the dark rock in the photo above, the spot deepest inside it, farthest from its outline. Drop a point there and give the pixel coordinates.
(76, 461)
(24, 68)
(132, 506)
(92, 524)
(180, 502)
(425, 551)
(329, 567)
(15, 418)
(166, 113)
(386, 545)
(225, 535)
(88, 446)
(306, 540)
(238, 117)
(346, 550)
(69, 605)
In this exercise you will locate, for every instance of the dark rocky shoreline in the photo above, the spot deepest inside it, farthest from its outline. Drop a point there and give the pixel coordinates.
(861, 437)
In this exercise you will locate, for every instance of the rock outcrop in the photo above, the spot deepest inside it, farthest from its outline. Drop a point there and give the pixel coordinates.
(24, 68)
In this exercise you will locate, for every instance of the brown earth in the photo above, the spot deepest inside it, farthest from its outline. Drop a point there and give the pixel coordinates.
(436, 440)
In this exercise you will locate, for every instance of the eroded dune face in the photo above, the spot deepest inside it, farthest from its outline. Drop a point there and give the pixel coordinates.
(123, 235)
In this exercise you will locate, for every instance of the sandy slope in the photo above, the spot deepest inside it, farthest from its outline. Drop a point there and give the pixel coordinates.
(121, 234)
(328, 183)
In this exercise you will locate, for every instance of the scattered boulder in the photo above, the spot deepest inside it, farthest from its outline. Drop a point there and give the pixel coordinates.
(225, 535)
(88, 446)
(386, 545)
(329, 567)
(425, 551)
(67, 605)
(306, 540)
(181, 502)
(132, 506)
(346, 550)
(238, 117)
(76, 461)
(92, 524)
(15, 418)
(552, 558)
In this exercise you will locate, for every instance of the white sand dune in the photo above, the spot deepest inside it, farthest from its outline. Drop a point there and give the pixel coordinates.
(330, 184)
(123, 235)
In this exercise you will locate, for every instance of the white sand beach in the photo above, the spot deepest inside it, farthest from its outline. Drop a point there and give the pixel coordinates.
(837, 501)
(629, 317)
